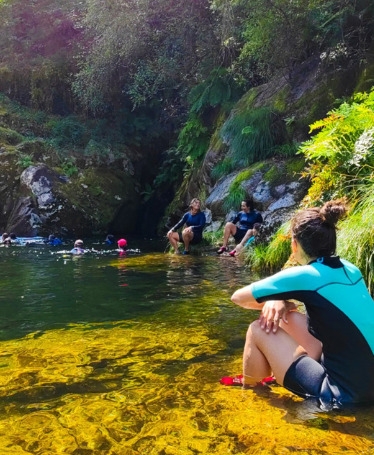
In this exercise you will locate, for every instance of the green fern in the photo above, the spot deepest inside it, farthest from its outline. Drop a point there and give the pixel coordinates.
(341, 154)
(237, 193)
(355, 235)
(252, 135)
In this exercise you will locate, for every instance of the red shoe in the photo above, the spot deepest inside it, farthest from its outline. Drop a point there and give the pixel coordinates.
(238, 380)
(222, 250)
(269, 380)
(228, 380)
(232, 253)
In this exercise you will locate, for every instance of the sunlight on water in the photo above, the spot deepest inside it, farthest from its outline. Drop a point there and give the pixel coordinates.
(149, 384)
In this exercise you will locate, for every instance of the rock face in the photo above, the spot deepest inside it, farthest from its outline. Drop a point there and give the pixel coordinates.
(276, 201)
(41, 201)
(301, 98)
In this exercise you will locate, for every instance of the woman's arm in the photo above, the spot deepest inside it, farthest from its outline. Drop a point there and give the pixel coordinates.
(180, 223)
(244, 298)
(272, 311)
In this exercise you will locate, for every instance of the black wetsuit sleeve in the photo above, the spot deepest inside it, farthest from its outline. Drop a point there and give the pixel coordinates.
(202, 221)
(235, 218)
(180, 223)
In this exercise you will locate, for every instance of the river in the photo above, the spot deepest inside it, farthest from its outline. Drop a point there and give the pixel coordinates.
(109, 355)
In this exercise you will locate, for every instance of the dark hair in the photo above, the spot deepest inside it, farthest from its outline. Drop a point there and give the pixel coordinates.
(315, 228)
(249, 203)
(257, 226)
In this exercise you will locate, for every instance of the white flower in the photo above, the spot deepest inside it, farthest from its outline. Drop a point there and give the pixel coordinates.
(363, 147)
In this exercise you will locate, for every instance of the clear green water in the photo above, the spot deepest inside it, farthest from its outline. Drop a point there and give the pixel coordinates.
(122, 356)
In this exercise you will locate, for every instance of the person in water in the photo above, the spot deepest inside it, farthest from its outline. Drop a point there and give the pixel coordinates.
(122, 244)
(53, 240)
(192, 234)
(240, 223)
(246, 240)
(5, 239)
(327, 353)
(78, 247)
(110, 239)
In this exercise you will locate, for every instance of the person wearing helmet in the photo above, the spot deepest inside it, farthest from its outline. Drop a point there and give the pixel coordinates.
(122, 243)
(78, 247)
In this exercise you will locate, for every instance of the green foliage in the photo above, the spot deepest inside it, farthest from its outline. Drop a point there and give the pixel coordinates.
(25, 161)
(252, 135)
(284, 172)
(355, 235)
(69, 167)
(193, 140)
(271, 257)
(287, 150)
(300, 29)
(224, 167)
(148, 52)
(341, 153)
(219, 89)
(171, 169)
(237, 193)
(68, 132)
(9, 136)
(213, 237)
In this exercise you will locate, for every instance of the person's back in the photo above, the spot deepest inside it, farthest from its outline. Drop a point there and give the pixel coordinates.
(78, 247)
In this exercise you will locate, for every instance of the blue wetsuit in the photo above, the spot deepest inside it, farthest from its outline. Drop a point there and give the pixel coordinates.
(77, 250)
(197, 222)
(245, 221)
(55, 242)
(340, 313)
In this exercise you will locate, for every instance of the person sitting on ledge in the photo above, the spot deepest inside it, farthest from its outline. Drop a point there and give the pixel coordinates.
(247, 239)
(240, 223)
(195, 221)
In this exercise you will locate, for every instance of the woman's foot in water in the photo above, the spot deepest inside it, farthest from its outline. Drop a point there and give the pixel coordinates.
(239, 381)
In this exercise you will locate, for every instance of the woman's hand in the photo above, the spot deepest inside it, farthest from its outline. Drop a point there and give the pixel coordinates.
(273, 312)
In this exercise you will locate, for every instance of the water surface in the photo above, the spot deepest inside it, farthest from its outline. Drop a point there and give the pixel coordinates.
(103, 354)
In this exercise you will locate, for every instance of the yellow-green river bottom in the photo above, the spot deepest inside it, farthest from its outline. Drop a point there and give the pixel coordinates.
(123, 356)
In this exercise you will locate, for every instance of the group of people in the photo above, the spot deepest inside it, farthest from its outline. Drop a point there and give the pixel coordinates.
(243, 227)
(52, 240)
(110, 240)
(315, 331)
(8, 239)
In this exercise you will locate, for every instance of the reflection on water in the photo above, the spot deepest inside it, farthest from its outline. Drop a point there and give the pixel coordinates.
(122, 356)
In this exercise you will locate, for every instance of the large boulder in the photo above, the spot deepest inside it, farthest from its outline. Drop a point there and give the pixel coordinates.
(275, 190)
(39, 200)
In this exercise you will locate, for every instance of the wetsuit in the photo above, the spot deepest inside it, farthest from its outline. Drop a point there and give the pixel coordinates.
(197, 222)
(77, 250)
(340, 313)
(245, 221)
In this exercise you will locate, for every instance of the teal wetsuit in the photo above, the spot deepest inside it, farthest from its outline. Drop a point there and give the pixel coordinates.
(340, 313)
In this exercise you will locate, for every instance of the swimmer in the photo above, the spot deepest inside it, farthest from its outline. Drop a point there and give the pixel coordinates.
(78, 247)
(122, 243)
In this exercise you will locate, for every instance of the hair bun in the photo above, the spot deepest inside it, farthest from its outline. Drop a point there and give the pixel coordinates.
(333, 211)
